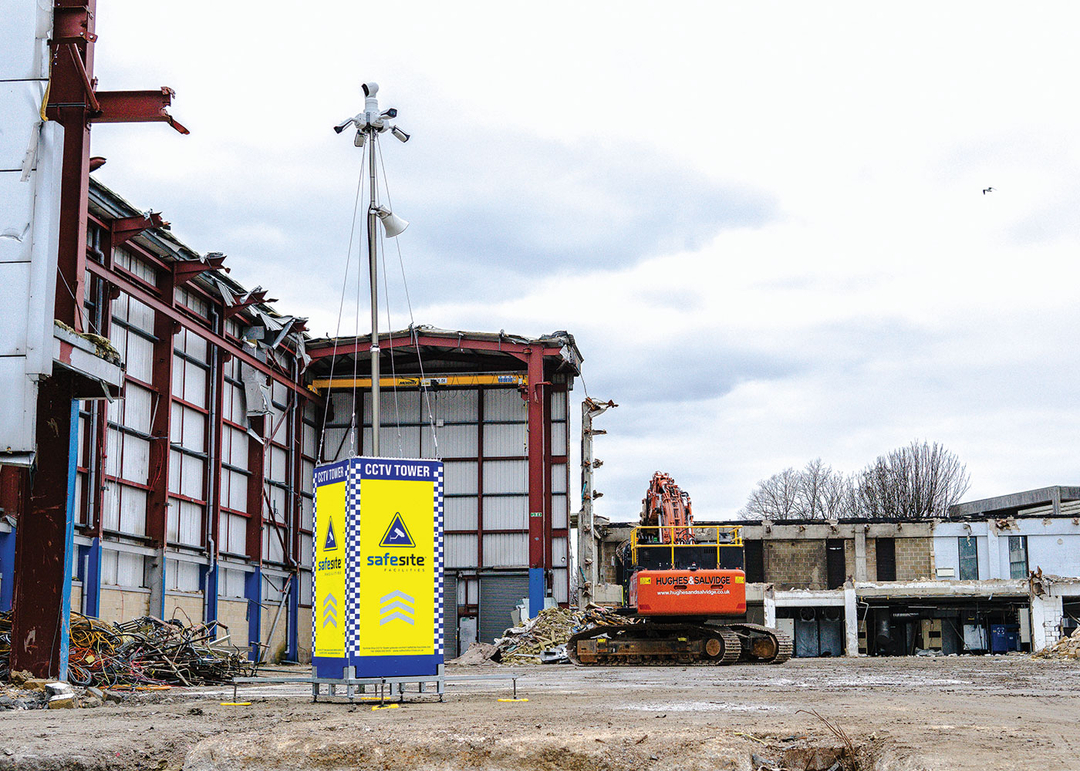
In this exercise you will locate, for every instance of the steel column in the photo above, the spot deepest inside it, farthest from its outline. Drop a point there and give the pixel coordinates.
(42, 596)
(538, 552)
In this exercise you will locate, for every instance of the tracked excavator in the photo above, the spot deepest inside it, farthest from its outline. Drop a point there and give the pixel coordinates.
(686, 590)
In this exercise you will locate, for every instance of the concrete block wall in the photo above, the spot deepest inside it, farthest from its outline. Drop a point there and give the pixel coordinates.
(280, 634)
(76, 596)
(124, 604)
(304, 636)
(849, 558)
(184, 606)
(871, 559)
(795, 564)
(234, 614)
(914, 559)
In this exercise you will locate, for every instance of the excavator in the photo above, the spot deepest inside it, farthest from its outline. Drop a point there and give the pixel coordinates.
(686, 589)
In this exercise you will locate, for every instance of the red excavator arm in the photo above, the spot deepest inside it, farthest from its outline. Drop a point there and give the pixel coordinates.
(667, 507)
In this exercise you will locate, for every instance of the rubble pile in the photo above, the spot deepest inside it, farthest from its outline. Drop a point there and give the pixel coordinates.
(1065, 648)
(542, 640)
(144, 652)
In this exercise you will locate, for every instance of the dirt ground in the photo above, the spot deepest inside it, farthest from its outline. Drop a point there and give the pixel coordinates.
(1001, 712)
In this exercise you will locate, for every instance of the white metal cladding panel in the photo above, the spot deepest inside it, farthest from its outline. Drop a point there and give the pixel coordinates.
(277, 503)
(305, 549)
(341, 405)
(279, 392)
(81, 517)
(132, 511)
(558, 478)
(233, 405)
(23, 48)
(234, 447)
(138, 407)
(237, 490)
(506, 476)
(140, 315)
(305, 587)
(405, 409)
(454, 441)
(460, 551)
(136, 463)
(559, 512)
(189, 342)
(560, 578)
(311, 439)
(558, 438)
(194, 383)
(335, 444)
(231, 583)
(505, 439)
(407, 445)
(506, 550)
(455, 406)
(129, 569)
(82, 449)
(506, 512)
(306, 512)
(396, 442)
(271, 544)
(138, 356)
(191, 477)
(190, 524)
(504, 404)
(273, 588)
(174, 470)
(460, 477)
(560, 552)
(307, 474)
(460, 513)
(140, 268)
(232, 531)
(559, 401)
(279, 464)
(181, 576)
(191, 300)
(193, 435)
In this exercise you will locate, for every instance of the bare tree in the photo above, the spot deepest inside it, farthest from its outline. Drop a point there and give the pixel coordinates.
(918, 481)
(914, 482)
(775, 497)
(815, 492)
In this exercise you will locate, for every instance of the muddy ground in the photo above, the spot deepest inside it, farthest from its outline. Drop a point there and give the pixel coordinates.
(1002, 712)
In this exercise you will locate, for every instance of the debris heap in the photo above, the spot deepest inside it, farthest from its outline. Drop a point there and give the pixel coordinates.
(144, 652)
(1065, 648)
(543, 639)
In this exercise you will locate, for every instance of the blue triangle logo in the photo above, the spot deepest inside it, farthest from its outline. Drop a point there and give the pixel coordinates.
(397, 534)
(331, 542)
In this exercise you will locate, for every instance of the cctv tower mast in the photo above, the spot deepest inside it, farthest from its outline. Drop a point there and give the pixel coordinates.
(369, 124)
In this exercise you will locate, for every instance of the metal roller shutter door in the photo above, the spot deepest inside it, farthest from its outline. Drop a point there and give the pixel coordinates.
(499, 595)
(450, 641)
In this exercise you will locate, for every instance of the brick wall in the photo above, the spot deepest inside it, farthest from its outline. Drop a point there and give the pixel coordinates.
(914, 558)
(795, 564)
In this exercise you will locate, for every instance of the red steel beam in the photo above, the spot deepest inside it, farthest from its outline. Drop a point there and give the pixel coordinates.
(128, 227)
(142, 295)
(137, 107)
(184, 272)
(518, 349)
(538, 553)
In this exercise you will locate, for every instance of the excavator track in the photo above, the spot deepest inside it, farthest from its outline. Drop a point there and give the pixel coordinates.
(659, 644)
(655, 644)
(763, 644)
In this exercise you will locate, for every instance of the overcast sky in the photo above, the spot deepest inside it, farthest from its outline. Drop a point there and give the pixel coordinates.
(763, 222)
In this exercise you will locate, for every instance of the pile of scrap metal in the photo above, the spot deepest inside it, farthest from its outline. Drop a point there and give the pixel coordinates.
(1065, 648)
(144, 652)
(542, 639)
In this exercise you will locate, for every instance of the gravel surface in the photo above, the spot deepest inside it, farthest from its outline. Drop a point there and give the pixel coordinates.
(1009, 712)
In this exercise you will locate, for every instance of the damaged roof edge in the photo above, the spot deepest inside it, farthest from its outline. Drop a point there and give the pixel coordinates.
(107, 203)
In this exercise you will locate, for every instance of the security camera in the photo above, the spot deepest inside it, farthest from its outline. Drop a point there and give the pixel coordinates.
(391, 113)
(344, 125)
(358, 140)
(370, 89)
(399, 134)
